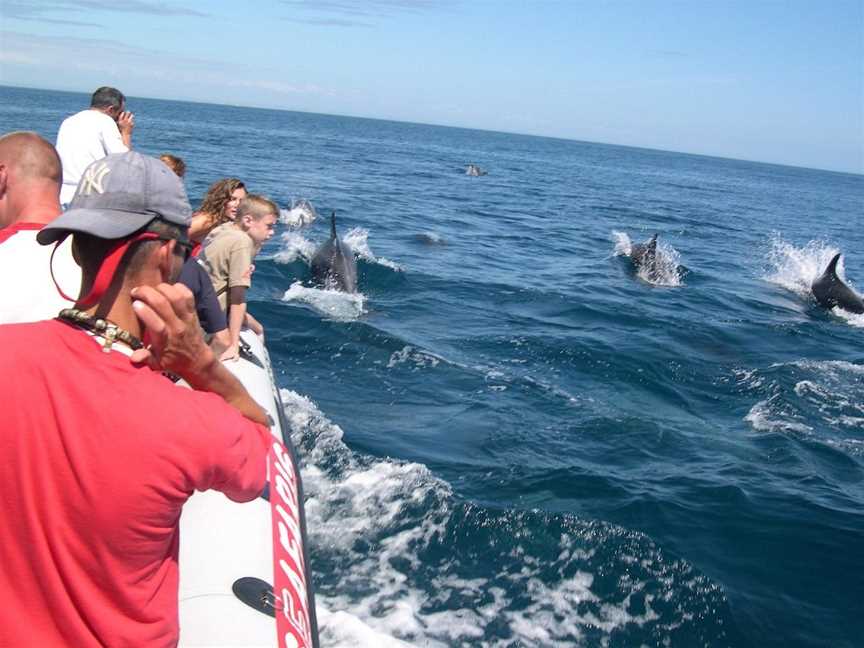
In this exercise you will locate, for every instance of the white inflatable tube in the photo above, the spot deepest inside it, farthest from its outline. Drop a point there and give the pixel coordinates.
(222, 542)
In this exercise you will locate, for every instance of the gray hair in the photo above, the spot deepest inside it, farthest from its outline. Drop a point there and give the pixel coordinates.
(107, 97)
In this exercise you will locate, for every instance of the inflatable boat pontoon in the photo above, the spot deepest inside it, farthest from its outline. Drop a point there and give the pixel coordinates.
(227, 561)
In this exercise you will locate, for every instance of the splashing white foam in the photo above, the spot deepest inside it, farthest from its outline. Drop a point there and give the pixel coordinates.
(338, 305)
(374, 522)
(796, 268)
(349, 501)
(822, 400)
(358, 240)
(417, 357)
(852, 319)
(301, 213)
(295, 246)
(623, 244)
(770, 415)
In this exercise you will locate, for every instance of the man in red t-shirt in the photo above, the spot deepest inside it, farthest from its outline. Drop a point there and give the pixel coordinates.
(99, 450)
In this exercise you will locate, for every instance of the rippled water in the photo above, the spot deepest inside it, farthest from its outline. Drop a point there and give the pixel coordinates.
(511, 437)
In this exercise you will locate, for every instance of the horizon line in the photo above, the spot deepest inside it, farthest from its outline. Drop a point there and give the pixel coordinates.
(482, 130)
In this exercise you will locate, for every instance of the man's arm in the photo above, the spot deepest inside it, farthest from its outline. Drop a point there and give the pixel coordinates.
(254, 324)
(125, 124)
(113, 139)
(236, 318)
(167, 313)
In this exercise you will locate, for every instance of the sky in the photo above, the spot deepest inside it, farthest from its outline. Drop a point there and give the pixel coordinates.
(766, 80)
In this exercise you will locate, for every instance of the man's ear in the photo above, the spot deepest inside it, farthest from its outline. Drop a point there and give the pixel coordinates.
(4, 179)
(165, 257)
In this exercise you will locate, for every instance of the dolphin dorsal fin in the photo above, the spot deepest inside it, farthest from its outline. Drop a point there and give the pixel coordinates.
(333, 224)
(652, 244)
(832, 265)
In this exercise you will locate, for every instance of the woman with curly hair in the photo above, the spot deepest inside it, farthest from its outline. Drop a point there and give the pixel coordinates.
(219, 206)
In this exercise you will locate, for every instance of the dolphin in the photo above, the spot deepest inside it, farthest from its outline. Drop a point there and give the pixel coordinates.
(333, 264)
(644, 255)
(474, 171)
(830, 291)
(301, 213)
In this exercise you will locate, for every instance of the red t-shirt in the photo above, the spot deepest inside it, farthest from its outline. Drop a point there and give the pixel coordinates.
(97, 458)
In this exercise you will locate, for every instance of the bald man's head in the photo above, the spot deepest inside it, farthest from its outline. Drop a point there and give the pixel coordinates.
(30, 177)
(28, 157)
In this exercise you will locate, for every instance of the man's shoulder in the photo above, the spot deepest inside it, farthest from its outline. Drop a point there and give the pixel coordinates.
(87, 118)
(24, 231)
(30, 338)
(21, 253)
(80, 116)
(191, 273)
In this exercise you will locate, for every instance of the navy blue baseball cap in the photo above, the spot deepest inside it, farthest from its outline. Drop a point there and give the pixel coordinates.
(119, 195)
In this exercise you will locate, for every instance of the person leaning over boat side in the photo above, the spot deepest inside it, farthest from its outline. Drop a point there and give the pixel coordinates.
(100, 450)
(91, 134)
(195, 278)
(29, 187)
(227, 257)
(218, 207)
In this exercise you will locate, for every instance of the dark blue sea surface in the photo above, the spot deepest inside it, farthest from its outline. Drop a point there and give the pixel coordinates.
(510, 438)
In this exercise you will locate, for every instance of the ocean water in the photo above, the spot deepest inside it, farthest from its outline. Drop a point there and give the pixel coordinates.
(509, 437)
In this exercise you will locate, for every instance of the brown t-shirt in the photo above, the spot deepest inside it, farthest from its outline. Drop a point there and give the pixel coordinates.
(227, 257)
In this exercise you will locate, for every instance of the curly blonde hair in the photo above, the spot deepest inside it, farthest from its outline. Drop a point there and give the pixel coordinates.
(217, 196)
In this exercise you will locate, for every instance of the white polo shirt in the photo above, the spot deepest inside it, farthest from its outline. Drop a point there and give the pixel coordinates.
(29, 294)
(83, 138)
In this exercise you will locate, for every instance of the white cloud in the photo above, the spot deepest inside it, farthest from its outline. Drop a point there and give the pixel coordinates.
(356, 13)
(30, 59)
(64, 12)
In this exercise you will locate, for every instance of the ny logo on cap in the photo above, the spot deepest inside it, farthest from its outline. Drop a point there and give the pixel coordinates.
(93, 178)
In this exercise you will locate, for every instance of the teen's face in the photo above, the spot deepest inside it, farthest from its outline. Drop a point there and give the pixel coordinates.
(262, 229)
(231, 206)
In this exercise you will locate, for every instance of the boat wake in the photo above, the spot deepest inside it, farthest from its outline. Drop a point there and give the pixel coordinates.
(792, 396)
(396, 554)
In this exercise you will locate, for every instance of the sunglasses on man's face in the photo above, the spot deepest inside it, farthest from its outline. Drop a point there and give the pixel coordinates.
(183, 249)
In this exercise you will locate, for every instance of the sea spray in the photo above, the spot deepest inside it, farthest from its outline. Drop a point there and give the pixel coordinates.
(334, 304)
(401, 555)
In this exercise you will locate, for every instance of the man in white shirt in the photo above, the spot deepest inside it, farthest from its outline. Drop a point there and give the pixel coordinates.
(91, 134)
(29, 186)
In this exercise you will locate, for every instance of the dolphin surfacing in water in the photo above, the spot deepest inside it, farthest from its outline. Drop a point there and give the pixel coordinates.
(333, 264)
(644, 258)
(830, 291)
(644, 255)
(301, 213)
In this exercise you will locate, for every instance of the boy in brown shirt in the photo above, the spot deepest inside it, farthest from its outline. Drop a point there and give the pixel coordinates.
(227, 257)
